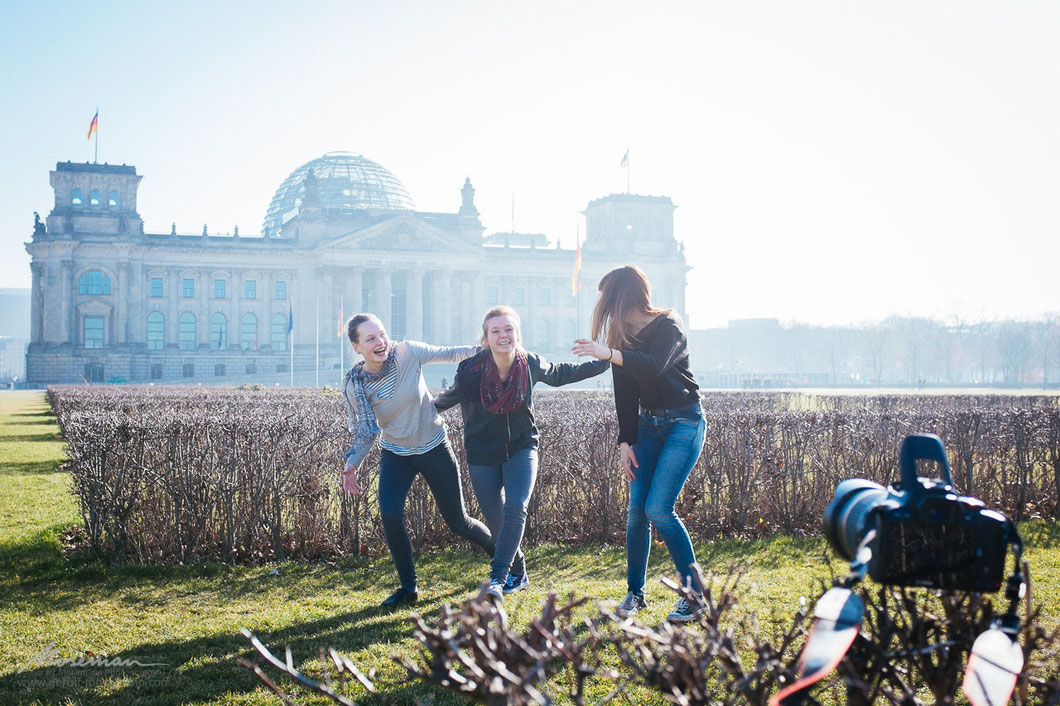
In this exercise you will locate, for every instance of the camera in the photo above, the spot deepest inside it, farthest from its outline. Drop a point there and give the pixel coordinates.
(925, 534)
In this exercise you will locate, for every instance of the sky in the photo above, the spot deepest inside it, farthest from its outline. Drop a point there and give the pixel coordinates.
(831, 162)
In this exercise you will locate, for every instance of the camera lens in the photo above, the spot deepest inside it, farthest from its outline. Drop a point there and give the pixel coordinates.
(846, 517)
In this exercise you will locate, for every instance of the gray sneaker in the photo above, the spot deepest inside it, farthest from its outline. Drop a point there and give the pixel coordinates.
(685, 611)
(631, 604)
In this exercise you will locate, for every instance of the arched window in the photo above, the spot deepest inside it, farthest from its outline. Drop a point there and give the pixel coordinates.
(155, 331)
(77, 198)
(279, 332)
(94, 198)
(186, 331)
(112, 200)
(93, 282)
(248, 336)
(218, 332)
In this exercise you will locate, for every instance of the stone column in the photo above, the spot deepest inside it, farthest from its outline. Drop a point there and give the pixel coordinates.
(443, 307)
(478, 302)
(202, 317)
(235, 324)
(171, 328)
(530, 323)
(66, 306)
(120, 313)
(35, 303)
(414, 305)
(382, 295)
(354, 292)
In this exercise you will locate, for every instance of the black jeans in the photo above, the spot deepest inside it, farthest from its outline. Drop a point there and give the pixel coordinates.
(438, 466)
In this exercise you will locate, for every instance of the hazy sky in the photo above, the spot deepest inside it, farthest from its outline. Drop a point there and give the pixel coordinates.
(831, 161)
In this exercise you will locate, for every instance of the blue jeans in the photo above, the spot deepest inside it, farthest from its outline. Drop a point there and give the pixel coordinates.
(503, 492)
(667, 449)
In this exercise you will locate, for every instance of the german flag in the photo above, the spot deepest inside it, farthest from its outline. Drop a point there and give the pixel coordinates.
(576, 282)
(94, 125)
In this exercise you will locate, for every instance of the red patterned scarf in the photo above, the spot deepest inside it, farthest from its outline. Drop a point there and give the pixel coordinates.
(501, 396)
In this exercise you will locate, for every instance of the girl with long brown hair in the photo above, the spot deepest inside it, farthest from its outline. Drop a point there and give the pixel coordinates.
(660, 423)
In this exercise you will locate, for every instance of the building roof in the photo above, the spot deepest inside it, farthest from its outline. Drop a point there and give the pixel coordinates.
(95, 168)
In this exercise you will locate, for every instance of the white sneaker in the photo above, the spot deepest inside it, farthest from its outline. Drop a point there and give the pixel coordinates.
(496, 590)
(631, 604)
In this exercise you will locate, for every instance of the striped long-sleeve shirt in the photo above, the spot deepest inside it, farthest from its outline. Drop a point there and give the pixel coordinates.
(402, 406)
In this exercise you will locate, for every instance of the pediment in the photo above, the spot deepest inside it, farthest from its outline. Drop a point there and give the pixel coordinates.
(156, 272)
(404, 233)
(94, 307)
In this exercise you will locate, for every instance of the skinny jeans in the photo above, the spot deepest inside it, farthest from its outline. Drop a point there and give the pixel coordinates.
(667, 449)
(438, 466)
(503, 492)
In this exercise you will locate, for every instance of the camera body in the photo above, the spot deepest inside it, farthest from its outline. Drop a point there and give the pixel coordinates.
(925, 533)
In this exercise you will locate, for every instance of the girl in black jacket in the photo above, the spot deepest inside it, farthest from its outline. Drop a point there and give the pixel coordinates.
(496, 389)
(660, 423)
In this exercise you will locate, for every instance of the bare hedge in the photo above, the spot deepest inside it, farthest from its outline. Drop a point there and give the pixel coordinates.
(186, 474)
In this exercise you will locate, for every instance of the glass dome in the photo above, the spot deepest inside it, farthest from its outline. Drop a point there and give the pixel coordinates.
(345, 181)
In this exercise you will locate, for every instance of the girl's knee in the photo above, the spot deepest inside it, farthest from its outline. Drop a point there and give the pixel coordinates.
(661, 517)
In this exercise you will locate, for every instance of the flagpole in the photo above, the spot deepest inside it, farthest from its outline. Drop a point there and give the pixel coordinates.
(342, 345)
(290, 328)
(317, 383)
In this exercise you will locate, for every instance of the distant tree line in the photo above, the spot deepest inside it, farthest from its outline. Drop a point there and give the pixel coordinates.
(898, 351)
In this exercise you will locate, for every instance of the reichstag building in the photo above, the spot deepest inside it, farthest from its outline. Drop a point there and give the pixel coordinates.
(112, 301)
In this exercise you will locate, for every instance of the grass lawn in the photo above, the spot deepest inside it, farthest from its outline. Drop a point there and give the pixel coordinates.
(188, 618)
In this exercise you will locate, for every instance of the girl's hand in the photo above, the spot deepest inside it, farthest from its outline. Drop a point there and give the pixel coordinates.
(585, 346)
(349, 480)
(629, 460)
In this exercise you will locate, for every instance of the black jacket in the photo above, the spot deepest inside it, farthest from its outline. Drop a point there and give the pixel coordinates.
(654, 374)
(492, 438)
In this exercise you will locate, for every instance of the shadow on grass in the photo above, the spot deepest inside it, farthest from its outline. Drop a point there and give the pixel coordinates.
(1040, 533)
(31, 467)
(200, 669)
(49, 436)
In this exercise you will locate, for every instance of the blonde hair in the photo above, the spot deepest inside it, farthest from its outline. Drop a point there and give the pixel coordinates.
(624, 292)
(493, 313)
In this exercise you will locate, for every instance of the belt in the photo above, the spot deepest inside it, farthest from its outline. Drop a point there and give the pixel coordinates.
(692, 411)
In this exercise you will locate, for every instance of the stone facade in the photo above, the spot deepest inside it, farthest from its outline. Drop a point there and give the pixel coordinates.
(111, 302)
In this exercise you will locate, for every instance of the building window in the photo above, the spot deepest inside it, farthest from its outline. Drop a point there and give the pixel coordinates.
(94, 282)
(218, 289)
(491, 295)
(396, 327)
(155, 331)
(189, 370)
(93, 332)
(279, 332)
(156, 372)
(248, 332)
(77, 198)
(156, 286)
(544, 335)
(281, 289)
(93, 372)
(219, 370)
(250, 289)
(252, 369)
(94, 198)
(281, 368)
(517, 296)
(186, 332)
(218, 332)
(112, 200)
(189, 288)
(546, 296)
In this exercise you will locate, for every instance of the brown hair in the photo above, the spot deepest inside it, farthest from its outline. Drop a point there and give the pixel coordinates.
(502, 310)
(624, 292)
(352, 324)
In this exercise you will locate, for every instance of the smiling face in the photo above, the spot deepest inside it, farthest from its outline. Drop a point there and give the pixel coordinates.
(502, 334)
(372, 342)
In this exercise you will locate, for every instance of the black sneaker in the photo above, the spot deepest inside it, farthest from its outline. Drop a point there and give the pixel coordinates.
(685, 611)
(402, 596)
